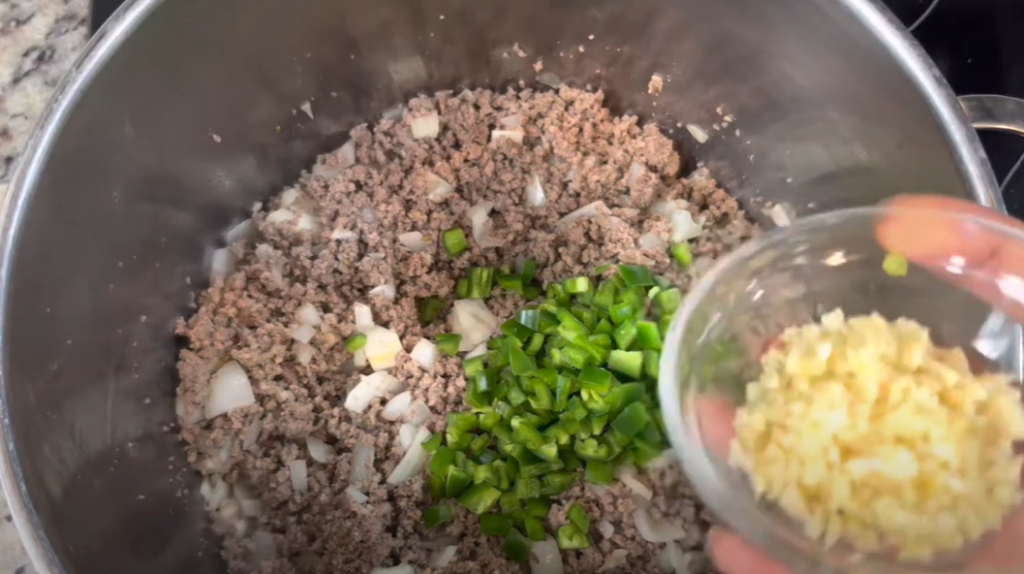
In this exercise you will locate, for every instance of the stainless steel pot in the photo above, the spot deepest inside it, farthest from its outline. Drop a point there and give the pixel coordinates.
(124, 189)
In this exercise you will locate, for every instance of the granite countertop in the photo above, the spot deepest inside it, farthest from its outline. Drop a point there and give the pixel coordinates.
(39, 39)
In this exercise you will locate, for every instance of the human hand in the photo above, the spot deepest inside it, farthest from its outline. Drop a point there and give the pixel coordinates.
(928, 239)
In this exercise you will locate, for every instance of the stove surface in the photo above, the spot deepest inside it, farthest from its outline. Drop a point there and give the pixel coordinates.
(978, 45)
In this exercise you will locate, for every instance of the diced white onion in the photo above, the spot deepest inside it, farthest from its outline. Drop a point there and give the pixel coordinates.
(229, 390)
(362, 466)
(535, 192)
(407, 434)
(588, 211)
(359, 359)
(653, 240)
(479, 216)
(319, 450)
(627, 475)
(386, 291)
(264, 547)
(418, 413)
(299, 475)
(400, 569)
(252, 434)
(442, 557)
(480, 349)
(244, 231)
(424, 127)
(307, 108)
(356, 495)
(617, 559)
(697, 132)
(214, 490)
(307, 222)
(397, 406)
(424, 353)
(222, 264)
(656, 530)
(546, 558)
(363, 316)
(635, 171)
(251, 508)
(414, 460)
(515, 135)
(304, 353)
(344, 235)
(348, 152)
(474, 321)
(598, 489)
(780, 215)
(434, 187)
(673, 559)
(370, 387)
(382, 348)
(308, 315)
(684, 228)
(606, 528)
(290, 197)
(511, 122)
(413, 241)
(303, 333)
(279, 216)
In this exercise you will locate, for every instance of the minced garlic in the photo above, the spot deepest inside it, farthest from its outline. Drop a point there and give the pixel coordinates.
(865, 431)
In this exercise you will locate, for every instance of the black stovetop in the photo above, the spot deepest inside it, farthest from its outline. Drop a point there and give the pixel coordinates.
(977, 44)
(979, 47)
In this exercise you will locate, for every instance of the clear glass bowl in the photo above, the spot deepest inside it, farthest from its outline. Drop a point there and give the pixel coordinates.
(961, 285)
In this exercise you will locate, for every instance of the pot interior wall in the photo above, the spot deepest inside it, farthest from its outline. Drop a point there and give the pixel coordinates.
(135, 193)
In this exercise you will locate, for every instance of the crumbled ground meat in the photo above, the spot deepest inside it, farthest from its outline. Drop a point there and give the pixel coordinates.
(333, 237)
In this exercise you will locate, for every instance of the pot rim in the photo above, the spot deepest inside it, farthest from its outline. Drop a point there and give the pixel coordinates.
(970, 154)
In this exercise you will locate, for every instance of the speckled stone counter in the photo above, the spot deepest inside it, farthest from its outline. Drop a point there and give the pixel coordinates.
(39, 39)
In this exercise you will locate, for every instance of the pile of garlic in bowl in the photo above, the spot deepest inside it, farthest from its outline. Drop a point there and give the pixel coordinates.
(835, 410)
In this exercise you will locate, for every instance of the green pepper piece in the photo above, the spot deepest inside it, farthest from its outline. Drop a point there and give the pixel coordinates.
(443, 458)
(535, 344)
(625, 334)
(463, 421)
(479, 498)
(589, 449)
(548, 452)
(457, 439)
(629, 363)
(599, 472)
(636, 275)
(534, 528)
(595, 379)
(454, 241)
(527, 488)
(355, 342)
(633, 418)
(557, 482)
(570, 538)
(430, 310)
(448, 343)
(512, 283)
(648, 335)
(433, 443)
(481, 280)
(436, 485)
(457, 482)
(436, 515)
(520, 362)
(668, 301)
(651, 361)
(576, 285)
(528, 271)
(537, 508)
(604, 297)
(516, 547)
(516, 329)
(578, 517)
(681, 254)
(621, 312)
(495, 524)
